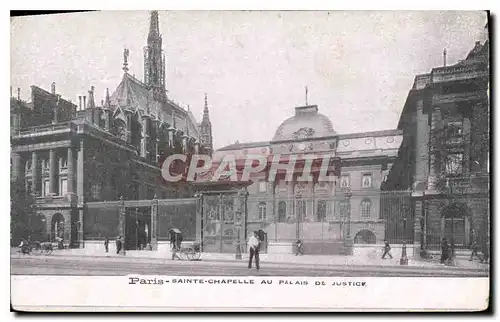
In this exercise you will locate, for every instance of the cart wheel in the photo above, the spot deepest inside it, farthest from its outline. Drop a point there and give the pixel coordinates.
(193, 255)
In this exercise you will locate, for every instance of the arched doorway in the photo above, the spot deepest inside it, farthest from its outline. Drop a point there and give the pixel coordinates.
(57, 227)
(365, 236)
(455, 224)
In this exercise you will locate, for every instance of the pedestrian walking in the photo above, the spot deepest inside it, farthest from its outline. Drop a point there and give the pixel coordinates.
(299, 250)
(118, 244)
(387, 249)
(106, 244)
(254, 247)
(474, 251)
(445, 249)
(486, 252)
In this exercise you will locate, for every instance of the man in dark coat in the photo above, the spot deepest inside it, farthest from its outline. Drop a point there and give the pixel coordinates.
(118, 244)
(106, 244)
(387, 249)
(445, 249)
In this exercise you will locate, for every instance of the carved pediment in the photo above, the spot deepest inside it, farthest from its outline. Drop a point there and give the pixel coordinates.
(303, 133)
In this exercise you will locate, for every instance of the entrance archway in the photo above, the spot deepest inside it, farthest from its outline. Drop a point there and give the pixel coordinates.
(365, 236)
(57, 227)
(455, 224)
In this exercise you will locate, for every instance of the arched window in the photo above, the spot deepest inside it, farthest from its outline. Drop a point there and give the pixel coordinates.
(365, 237)
(262, 211)
(321, 210)
(120, 129)
(282, 211)
(341, 209)
(366, 205)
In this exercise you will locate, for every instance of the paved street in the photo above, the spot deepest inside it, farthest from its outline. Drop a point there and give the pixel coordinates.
(53, 265)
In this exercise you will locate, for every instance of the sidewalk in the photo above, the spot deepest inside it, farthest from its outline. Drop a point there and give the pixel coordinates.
(285, 259)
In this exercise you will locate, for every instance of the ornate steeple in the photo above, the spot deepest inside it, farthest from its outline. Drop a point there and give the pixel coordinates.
(107, 102)
(206, 129)
(154, 60)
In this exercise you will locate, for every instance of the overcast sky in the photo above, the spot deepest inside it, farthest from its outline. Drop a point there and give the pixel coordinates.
(358, 65)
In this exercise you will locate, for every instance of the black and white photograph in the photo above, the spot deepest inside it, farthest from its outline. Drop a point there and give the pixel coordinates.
(208, 151)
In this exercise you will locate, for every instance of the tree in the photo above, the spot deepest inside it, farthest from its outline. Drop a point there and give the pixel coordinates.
(22, 207)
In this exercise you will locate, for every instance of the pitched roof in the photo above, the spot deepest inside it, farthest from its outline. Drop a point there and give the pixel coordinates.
(237, 146)
(132, 93)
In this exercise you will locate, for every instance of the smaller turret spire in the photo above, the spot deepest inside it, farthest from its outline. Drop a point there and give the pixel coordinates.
(91, 103)
(108, 100)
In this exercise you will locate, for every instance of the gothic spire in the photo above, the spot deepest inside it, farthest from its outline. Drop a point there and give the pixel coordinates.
(205, 110)
(154, 27)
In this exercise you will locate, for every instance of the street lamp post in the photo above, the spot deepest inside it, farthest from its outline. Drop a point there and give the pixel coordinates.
(238, 227)
(404, 256)
(347, 237)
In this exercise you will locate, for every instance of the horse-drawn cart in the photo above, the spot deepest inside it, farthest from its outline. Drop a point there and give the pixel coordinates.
(192, 252)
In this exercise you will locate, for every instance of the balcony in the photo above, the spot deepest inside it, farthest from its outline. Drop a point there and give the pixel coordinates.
(454, 73)
(41, 130)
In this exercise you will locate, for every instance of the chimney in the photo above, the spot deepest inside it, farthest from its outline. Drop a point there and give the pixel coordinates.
(53, 88)
(80, 102)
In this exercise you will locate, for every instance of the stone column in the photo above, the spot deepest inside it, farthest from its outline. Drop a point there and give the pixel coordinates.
(154, 224)
(171, 132)
(35, 185)
(145, 137)
(71, 171)
(17, 170)
(422, 152)
(80, 175)
(53, 171)
(129, 128)
(435, 122)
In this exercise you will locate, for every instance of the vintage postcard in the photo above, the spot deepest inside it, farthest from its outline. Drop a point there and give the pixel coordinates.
(250, 160)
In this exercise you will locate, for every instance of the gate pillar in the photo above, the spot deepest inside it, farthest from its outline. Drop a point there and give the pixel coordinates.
(154, 224)
(121, 223)
(199, 216)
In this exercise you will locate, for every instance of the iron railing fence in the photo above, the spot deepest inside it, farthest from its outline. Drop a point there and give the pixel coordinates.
(368, 217)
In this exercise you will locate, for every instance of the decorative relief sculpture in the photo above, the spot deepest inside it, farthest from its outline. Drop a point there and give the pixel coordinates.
(303, 133)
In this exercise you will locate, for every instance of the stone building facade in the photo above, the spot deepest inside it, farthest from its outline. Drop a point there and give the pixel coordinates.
(69, 155)
(444, 156)
(314, 211)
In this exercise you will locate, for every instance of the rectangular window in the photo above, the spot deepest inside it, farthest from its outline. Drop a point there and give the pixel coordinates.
(45, 187)
(345, 181)
(454, 163)
(365, 209)
(367, 181)
(262, 211)
(262, 186)
(64, 186)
